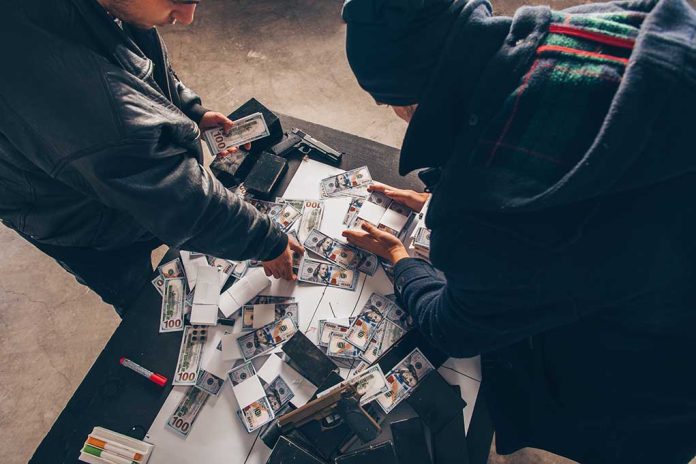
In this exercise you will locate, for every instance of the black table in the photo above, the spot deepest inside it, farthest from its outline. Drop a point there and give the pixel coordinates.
(114, 397)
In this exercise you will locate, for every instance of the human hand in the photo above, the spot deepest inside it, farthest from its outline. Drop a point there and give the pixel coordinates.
(410, 198)
(376, 241)
(213, 120)
(281, 267)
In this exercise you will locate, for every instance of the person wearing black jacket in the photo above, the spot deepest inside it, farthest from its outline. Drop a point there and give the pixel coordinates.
(563, 246)
(100, 157)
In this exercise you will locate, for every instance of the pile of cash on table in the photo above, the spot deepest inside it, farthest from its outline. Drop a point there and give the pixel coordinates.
(281, 380)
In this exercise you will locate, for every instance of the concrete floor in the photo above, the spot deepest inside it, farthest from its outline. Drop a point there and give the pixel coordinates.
(290, 55)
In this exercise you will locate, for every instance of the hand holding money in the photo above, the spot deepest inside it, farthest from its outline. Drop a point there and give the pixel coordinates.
(212, 120)
(376, 241)
(281, 267)
(410, 198)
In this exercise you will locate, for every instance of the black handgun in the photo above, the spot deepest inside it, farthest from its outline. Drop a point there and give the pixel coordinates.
(341, 405)
(307, 145)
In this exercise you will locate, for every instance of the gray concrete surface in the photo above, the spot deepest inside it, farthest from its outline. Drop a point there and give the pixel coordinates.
(290, 55)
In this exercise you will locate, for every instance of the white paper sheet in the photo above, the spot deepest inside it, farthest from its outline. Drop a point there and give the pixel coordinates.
(218, 436)
(263, 314)
(301, 387)
(371, 212)
(246, 288)
(204, 314)
(248, 391)
(207, 286)
(230, 347)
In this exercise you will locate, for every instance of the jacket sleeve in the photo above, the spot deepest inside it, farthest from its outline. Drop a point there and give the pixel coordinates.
(464, 316)
(176, 199)
(190, 102)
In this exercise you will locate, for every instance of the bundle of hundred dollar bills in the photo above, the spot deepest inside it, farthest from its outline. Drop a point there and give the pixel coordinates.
(199, 291)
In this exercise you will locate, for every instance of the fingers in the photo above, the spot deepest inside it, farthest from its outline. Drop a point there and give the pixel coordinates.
(247, 146)
(228, 152)
(377, 187)
(226, 123)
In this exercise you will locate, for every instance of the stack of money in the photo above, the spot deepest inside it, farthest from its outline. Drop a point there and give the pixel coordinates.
(245, 130)
(382, 212)
(421, 242)
(323, 273)
(284, 214)
(379, 325)
(255, 408)
(403, 378)
(351, 183)
(346, 256)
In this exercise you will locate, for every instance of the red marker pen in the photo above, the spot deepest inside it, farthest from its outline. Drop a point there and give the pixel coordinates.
(154, 378)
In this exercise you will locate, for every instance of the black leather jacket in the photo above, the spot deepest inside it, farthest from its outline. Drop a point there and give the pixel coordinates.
(99, 143)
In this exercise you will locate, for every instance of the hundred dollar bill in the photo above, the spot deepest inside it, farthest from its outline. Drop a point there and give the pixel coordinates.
(369, 383)
(353, 210)
(257, 414)
(208, 382)
(266, 207)
(281, 310)
(365, 326)
(327, 328)
(374, 348)
(391, 333)
(339, 348)
(403, 378)
(278, 393)
(421, 239)
(171, 269)
(312, 215)
(287, 216)
(241, 373)
(340, 253)
(189, 361)
(297, 204)
(317, 272)
(245, 130)
(172, 313)
(399, 317)
(271, 299)
(269, 336)
(340, 184)
(187, 410)
(158, 283)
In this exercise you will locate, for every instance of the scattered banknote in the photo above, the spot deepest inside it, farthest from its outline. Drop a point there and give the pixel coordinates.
(172, 313)
(289, 309)
(320, 273)
(257, 414)
(245, 130)
(269, 336)
(271, 299)
(209, 383)
(374, 348)
(190, 352)
(187, 410)
(369, 383)
(241, 373)
(266, 207)
(353, 210)
(403, 378)
(391, 333)
(366, 323)
(343, 183)
(340, 253)
(399, 317)
(327, 328)
(287, 216)
(278, 393)
(158, 283)
(171, 269)
(312, 215)
(339, 348)
(297, 204)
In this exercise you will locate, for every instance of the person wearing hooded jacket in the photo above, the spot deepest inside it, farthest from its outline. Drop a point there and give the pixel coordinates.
(100, 157)
(559, 152)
